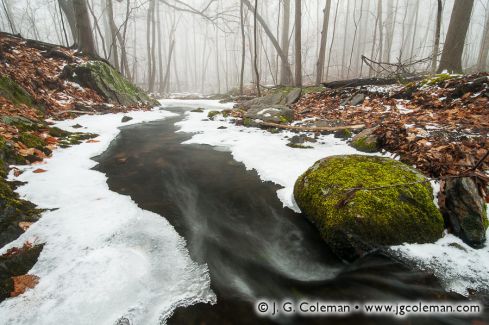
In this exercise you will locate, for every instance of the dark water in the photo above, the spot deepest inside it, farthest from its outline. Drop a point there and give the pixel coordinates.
(253, 246)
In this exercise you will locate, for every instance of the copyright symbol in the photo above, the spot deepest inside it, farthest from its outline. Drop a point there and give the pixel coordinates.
(262, 307)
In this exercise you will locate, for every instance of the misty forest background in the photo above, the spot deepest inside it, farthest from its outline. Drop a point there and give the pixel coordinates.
(217, 46)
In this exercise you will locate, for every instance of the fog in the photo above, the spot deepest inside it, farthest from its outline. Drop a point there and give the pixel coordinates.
(208, 42)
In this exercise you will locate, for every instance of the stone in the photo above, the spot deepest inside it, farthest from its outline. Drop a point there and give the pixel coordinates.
(465, 210)
(293, 96)
(272, 114)
(366, 141)
(126, 118)
(353, 219)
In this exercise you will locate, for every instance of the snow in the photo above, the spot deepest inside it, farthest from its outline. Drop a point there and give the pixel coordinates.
(104, 257)
(457, 265)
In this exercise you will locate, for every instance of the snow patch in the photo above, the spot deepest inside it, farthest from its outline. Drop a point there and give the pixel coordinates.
(104, 257)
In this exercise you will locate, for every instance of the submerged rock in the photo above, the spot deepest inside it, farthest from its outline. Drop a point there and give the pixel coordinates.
(355, 203)
(366, 141)
(465, 210)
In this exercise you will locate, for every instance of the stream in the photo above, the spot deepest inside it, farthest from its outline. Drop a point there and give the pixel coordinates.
(254, 248)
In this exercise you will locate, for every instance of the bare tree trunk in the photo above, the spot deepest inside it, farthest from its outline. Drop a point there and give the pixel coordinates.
(378, 29)
(285, 76)
(84, 30)
(151, 38)
(389, 30)
(160, 54)
(243, 48)
(345, 39)
(332, 40)
(322, 48)
(484, 46)
(166, 83)
(69, 11)
(413, 40)
(298, 43)
(113, 35)
(270, 35)
(257, 75)
(451, 57)
(355, 22)
(436, 46)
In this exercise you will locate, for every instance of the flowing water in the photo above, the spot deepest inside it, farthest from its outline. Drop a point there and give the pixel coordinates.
(254, 248)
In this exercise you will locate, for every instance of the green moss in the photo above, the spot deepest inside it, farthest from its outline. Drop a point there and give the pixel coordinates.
(198, 110)
(14, 92)
(284, 119)
(247, 121)
(57, 132)
(385, 216)
(31, 140)
(437, 79)
(365, 144)
(213, 114)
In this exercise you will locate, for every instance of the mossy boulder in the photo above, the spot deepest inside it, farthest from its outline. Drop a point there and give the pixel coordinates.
(357, 205)
(14, 92)
(107, 82)
(366, 141)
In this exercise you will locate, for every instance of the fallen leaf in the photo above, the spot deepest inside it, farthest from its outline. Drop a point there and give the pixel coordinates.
(92, 141)
(39, 170)
(22, 283)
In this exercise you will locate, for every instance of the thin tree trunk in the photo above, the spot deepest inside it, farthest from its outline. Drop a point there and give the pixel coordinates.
(113, 34)
(436, 46)
(298, 43)
(243, 48)
(332, 40)
(484, 46)
(255, 29)
(322, 47)
(285, 76)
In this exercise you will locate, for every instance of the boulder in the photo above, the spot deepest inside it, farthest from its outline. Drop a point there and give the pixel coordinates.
(273, 114)
(107, 82)
(465, 210)
(354, 100)
(366, 141)
(284, 97)
(355, 203)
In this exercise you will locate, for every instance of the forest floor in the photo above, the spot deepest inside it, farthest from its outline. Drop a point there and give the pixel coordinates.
(439, 124)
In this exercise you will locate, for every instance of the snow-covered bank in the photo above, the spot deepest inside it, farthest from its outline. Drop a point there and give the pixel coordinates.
(104, 257)
(456, 264)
